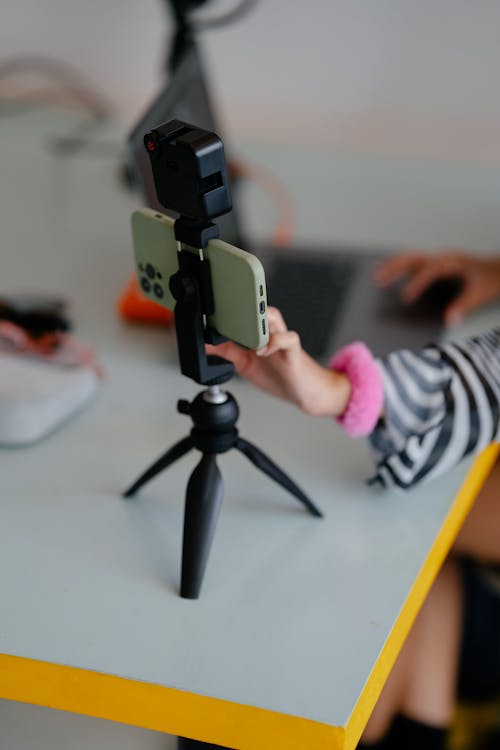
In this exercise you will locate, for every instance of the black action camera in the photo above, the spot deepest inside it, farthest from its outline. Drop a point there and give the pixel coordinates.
(189, 170)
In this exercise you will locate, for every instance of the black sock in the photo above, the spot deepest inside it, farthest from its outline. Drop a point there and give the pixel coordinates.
(380, 745)
(371, 745)
(409, 734)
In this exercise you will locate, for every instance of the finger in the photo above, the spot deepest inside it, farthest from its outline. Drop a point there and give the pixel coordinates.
(286, 341)
(275, 320)
(465, 303)
(400, 265)
(234, 353)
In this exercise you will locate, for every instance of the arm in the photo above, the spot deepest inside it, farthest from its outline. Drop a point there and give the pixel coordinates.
(285, 370)
(441, 405)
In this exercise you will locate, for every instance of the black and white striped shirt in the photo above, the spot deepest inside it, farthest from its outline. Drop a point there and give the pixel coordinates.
(441, 404)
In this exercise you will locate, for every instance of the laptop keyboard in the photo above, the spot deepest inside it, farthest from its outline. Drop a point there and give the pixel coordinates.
(310, 292)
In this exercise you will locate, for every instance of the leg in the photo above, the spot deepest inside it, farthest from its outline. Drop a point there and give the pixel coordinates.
(176, 451)
(264, 463)
(422, 683)
(480, 533)
(203, 500)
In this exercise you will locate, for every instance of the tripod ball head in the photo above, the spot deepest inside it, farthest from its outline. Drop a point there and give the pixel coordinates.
(189, 170)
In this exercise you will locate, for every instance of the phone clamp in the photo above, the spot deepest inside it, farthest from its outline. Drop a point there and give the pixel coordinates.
(192, 290)
(190, 178)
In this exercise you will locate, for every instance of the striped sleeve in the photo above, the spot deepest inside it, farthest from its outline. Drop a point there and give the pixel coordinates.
(441, 404)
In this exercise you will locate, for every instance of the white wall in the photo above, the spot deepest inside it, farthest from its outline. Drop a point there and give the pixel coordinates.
(390, 76)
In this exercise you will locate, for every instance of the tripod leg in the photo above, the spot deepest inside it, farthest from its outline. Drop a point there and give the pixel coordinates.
(203, 500)
(264, 463)
(175, 452)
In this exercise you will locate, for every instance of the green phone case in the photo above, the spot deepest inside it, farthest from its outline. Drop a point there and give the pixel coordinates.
(239, 289)
(155, 251)
(238, 281)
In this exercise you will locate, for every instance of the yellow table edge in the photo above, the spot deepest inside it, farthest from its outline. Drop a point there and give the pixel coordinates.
(159, 708)
(456, 516)
(226, 723)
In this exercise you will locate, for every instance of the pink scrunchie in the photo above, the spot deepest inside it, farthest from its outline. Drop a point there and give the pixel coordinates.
(367, 395)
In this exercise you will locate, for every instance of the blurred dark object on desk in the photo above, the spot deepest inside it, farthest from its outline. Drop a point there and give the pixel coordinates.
(37, 314)
(46, 375)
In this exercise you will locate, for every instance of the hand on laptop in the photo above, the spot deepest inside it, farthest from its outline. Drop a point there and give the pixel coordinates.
(479, 277)
(285, 370)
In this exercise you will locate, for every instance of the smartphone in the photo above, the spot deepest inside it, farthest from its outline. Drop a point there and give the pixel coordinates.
(237, 277)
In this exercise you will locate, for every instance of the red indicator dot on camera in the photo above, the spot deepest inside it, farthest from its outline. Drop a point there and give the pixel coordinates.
(150, 145)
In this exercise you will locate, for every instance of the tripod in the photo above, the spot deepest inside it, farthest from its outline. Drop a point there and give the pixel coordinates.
(214, 414)
(190, 177)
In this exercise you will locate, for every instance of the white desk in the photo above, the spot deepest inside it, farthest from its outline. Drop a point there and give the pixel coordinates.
(299, 620)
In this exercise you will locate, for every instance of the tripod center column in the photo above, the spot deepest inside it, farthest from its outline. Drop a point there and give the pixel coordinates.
(215, 395)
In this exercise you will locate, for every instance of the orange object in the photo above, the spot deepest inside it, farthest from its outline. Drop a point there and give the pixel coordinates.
(134, 306)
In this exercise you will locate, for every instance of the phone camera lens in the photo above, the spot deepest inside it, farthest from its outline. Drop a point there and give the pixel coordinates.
(158, 290)
(150, 271)
(146, 284)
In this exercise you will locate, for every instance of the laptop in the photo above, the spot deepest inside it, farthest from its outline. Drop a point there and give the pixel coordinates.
(327, 294)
